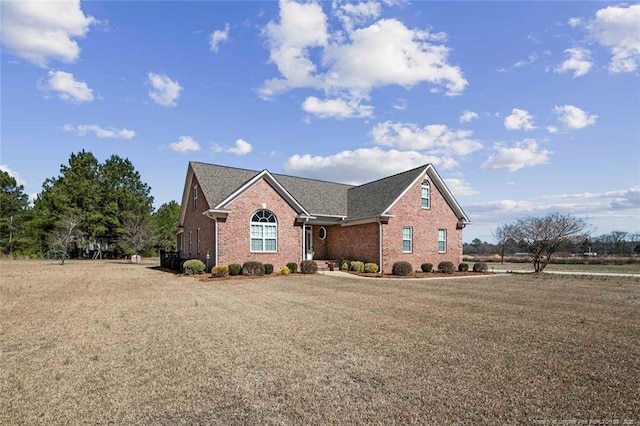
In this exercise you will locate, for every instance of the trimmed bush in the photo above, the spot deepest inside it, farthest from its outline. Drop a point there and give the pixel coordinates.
(220, 271)
(235, 269)
(293, 267)
(284, 271)
(446, 267)
(252, 268)
(480, 267)
(371, 267)
(268, 268)
(463, 267)
(193, 266)
(357, 266)
(402, 269)
(308, 267)
(426, 267)
(345, 265)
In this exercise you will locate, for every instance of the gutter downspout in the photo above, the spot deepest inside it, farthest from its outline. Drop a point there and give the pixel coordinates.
(215, 242)
(380, 244)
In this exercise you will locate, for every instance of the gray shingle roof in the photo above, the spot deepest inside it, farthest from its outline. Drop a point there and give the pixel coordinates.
(373, 198)
(316, 196)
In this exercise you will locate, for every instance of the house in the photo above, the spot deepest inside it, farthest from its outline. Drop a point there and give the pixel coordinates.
(230, 215)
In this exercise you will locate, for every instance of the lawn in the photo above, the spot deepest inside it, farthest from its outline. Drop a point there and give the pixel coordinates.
(627, 268)
(107, 342)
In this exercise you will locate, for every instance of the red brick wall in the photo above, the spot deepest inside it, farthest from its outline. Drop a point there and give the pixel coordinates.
(359, 242)
(234, 241)
(194, 219)
(425, 224)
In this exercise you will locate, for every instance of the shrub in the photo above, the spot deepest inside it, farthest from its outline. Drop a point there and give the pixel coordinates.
(345, 265)
(480, 267)
(463, 267)
(446, 267)
(235, 269)
(308, 267)
(268, 268)
(284, 271)
(357, 266)
(252, 268)
(220, 271)
(426, 267)
(193, 266)
(371, 267)
(293, 267)
(402, 268)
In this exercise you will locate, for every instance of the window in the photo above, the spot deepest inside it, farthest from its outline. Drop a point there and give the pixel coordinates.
(180, 243)
(407, 239)
(264, 232)
(442, 240)
(198, 240)
(189, 242)
(195, 197)
(425, 194)
(322, 233)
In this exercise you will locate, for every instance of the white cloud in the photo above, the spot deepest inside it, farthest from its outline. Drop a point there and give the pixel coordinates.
(389, 53)
(164, 91)
(241, 147)
(353, 14)
(573, 117)
(526, 153)
(579, 62)
(400, 104)
(616, 27)
(217, 37)
(13, 174)
(519, 119)
(110, 133)
(67, 87)
(336, 108)
(44, 30)
(361, 165)
(434, 138)
(467, 116)
(185, 144)
(552, 129)
(459, 187)
(530, 59)
(574, 22)
(301, 27)
(384, 53)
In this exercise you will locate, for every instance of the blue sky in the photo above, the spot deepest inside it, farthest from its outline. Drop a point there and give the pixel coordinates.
(524, 108)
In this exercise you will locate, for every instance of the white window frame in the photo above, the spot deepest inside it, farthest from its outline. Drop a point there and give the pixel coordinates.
(410, 239)
(198, 241)
(322, 233)
(195, 197)
(264, 225)
(426, 186)
(443, 241)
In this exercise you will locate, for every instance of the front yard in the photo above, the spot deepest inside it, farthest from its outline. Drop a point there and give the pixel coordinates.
(111, 342)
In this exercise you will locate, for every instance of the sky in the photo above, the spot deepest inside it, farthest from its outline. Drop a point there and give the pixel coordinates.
(524, 108)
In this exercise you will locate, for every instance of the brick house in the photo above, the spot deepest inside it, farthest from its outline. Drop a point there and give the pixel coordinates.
(230, 215)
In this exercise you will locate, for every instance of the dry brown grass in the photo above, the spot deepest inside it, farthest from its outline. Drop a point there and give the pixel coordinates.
(106, 342)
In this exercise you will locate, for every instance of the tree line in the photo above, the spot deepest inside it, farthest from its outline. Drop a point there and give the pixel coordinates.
(91, 209)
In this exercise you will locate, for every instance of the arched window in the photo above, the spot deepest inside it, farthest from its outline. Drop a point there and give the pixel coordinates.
(264, 232)
(425, 194)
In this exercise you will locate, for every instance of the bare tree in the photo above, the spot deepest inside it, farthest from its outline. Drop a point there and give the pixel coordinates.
(137, 232)
(502, 235)
(67, 233)
(542, 236)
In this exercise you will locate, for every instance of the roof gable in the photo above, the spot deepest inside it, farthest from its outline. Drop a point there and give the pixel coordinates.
(375, 198)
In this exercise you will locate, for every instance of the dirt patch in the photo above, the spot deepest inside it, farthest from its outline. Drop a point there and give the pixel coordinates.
(104, 342)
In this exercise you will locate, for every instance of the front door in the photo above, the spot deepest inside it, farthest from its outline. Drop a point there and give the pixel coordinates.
(308, 242)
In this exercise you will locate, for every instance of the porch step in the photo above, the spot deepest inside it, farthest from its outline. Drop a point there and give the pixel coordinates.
(324, 264)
